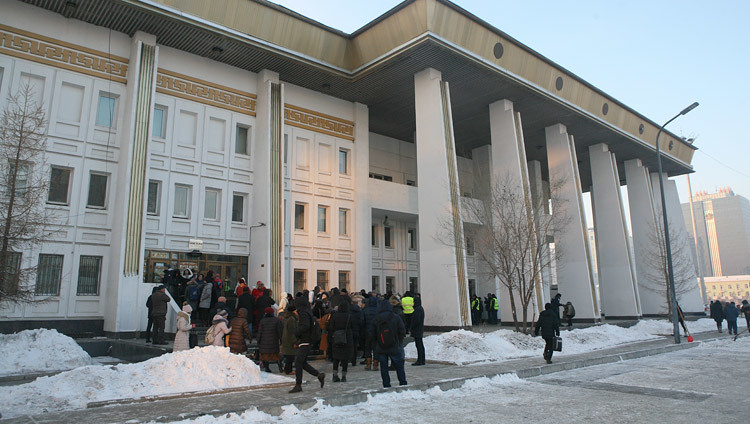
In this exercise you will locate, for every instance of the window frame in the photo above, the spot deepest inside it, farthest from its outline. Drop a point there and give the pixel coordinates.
(344, 212)
(216, 204)
(98, 271)
(237, 132)
(157, 200)
(300, 219)
(67, 188)
(163, 134)
(115, 101)
(242, 198)
(345, 163)
(322, 282)
(188, 194)
(374, 239)
(55, 284)
(324, 210)
(412, 239)
(387, 237)
(106, 190)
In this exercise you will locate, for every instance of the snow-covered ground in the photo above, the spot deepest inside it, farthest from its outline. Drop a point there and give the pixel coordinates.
(467, 347)
(195, 370)
(640, 390)
(41, 350)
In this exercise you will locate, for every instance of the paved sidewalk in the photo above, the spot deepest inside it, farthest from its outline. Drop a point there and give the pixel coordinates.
(360, 383)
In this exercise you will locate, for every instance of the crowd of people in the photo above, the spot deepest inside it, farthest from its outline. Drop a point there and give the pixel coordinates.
(729, 312)
(339, 325)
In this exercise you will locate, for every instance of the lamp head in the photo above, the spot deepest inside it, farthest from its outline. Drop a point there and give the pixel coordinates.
(689, 108)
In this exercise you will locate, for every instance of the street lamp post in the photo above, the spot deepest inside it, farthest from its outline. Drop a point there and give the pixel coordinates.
(671, 288)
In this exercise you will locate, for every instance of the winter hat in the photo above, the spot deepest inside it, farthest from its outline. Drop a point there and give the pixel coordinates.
(268, 310)
(187, 308)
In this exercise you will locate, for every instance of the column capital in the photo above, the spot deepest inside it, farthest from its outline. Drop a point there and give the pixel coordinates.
(430, 73)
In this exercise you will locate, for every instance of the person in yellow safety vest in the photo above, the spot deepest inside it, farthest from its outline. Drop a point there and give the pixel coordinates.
(476, 310)
(407, 303)
(493, 308)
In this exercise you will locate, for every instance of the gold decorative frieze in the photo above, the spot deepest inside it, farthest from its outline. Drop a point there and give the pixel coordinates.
(40, 49)
(189, 88)
(318, 122)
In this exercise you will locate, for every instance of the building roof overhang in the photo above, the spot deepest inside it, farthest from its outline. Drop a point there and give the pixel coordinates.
(375, 66)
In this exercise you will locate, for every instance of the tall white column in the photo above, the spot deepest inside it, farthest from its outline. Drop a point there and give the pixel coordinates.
(574, 274)
(540, 189)
(690, 300)
(363, 212)
(617, 283)
(643, 224)
(442, 267)
(508, 167)
(261, 236)
(126, 295)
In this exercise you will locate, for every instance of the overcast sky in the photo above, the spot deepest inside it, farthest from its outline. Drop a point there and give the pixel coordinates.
(655, 56)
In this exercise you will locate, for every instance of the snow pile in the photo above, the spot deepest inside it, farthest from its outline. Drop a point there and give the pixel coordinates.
(381, 402)
(464, 347)
(40, 350)
(195, 370)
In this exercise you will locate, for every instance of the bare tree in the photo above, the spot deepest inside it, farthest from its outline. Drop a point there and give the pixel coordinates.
(657, 273)
(513, 231)
(23, 217)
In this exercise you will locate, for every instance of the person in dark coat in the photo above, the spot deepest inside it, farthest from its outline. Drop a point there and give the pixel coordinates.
(240, 331)
(395, 352)
(556, 304)
(717, 313)
(417, 329)
(269, 335)
(745, 309)
(150, 322)
(681, 318)
(341, 320)
(288, 338)
(730, 314)
(304, 344)
(159, 301)
(370, 312)
(357, 321)
(550, 326)
(247, 302)
(263, 302)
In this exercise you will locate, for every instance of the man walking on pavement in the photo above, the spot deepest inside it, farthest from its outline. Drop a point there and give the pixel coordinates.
(159, 301)
(389, 332)
(304, 335)
(550, 326)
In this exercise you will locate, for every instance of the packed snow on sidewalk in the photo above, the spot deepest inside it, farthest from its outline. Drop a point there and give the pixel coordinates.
(195, 370)
(41, 350)
(383, 403)
(468, 347)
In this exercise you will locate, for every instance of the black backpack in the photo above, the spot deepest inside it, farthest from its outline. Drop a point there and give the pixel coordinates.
(194, 292)
(315, 330)
(384, 333)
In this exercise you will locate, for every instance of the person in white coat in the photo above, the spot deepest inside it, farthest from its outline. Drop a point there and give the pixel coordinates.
(221, 327)
(181, 339)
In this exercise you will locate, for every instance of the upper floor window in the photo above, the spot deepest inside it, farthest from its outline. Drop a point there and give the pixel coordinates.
(211, 209)
(240, 142)
(412, 234)
(105, 111)
(59, 185)
(322, 219)
(159, 126)
(299, 216)
(343, 162)
(343, 222)
(387, 237)
(381, 177)
(97, 191)
(182, 201)
(154, 195)
(238, 208)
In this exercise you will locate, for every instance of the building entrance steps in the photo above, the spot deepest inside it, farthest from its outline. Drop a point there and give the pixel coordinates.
(359, 385)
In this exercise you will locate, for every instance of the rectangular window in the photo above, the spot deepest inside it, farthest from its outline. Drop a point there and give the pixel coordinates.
(11, 271)
(299, 216)
(344, 280)
(154, 197)
(105, 112)
(59, 185)
(343, 162)
(238, 208)
(159, 126)
(181, 201)
(374, 236)
(240, 141)
(89, 274)
(48, 275)
(381, 177)
(211, 205)
(414, 284)
(323, 280)
(469, 246)
(387, 237)
(322, 212)
(412, 234)
(390, 283)
(97, 191)
(343, 224)
(375, 283)
(300, 280)
(22, 178)
(411, 183)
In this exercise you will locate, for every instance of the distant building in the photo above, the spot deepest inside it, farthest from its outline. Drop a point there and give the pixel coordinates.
(728, 289)
(722, 221)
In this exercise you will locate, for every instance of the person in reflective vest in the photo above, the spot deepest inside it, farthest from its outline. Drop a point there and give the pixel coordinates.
(493, 308)
(476, 310)
(407, 303)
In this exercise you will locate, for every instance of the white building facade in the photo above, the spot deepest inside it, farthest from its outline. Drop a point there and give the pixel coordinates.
(303, 157)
